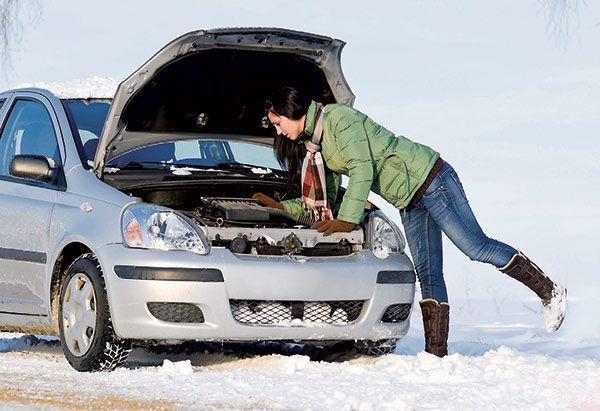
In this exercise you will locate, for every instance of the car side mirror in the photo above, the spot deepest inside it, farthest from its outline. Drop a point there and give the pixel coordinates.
(33, 167)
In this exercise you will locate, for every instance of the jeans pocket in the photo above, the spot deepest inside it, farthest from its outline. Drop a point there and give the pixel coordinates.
(436, 187)
(458, 183)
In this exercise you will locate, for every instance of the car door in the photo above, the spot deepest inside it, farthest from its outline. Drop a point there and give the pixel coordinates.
(29, 127)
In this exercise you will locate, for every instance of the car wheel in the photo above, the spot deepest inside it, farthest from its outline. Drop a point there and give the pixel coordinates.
(375, 348)
(84, 322)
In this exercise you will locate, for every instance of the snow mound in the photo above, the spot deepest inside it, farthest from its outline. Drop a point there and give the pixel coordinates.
(502, 378)
(176, 368)
(92, 87)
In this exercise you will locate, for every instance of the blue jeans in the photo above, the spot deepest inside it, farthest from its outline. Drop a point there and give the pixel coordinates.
(444, 207)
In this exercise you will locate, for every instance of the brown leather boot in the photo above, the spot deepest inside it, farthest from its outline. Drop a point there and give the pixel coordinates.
(436, 321)
(524, 270)
(553, 296)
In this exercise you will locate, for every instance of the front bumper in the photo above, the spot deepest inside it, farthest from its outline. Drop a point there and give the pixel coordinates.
(246, 277)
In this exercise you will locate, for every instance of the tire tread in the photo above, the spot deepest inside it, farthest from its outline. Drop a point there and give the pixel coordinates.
(115, 350)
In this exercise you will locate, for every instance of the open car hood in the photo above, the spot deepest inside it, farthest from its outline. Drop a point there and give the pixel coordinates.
(213, 83)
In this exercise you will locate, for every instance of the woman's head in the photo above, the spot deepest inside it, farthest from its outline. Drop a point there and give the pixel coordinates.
(286, 110)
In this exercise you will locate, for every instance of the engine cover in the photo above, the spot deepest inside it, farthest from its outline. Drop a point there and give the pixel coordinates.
(234, 209)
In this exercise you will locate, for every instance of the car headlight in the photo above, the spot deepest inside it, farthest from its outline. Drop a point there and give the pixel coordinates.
(160, 228)
(384, 236)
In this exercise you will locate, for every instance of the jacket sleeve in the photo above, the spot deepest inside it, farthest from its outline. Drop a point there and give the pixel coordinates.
(353, 145)
(295, 206)
(333, 182)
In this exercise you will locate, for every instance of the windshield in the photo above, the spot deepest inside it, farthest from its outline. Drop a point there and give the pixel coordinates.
(87, 118)
(199, 153)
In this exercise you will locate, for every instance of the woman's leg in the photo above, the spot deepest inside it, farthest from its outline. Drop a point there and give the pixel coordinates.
(447, 203)
(424, 238)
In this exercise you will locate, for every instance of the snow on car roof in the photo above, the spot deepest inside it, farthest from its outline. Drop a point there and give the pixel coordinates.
(92, 87)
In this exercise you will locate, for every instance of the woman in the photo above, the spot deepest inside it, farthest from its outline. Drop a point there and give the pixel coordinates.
(409, 175)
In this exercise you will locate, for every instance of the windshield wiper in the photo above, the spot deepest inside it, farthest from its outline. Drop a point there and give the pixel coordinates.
(224, 166)
(147, 165)
(244, 166)
(234, 165)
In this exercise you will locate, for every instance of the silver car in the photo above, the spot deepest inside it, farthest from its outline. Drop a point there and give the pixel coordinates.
(131, 221)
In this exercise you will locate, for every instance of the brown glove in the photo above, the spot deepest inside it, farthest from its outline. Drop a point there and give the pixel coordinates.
(328, 227)
(267, 201)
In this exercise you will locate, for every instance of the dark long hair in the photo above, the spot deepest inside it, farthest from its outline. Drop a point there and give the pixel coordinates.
(292, 103)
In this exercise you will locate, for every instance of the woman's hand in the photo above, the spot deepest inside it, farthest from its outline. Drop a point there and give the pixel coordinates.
(328, 227)
(267, 201)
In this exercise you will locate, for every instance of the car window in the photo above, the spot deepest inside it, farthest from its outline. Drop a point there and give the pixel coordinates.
(27, 130)
(87, 119)
(255, 154)
(201, 153)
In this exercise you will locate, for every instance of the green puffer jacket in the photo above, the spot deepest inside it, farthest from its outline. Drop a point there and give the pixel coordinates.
(371, 156)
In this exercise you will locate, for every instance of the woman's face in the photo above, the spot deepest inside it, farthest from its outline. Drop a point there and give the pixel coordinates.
(287, 127)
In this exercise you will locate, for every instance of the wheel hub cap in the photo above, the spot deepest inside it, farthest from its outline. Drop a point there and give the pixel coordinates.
(79, 314)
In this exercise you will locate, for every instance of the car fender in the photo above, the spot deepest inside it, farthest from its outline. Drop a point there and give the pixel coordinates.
(84, 220)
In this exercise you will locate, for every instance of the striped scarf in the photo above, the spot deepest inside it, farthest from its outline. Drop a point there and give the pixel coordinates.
(314, 187)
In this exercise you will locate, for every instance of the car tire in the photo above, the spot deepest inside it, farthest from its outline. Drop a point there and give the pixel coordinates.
(84, 322)
(375, 348)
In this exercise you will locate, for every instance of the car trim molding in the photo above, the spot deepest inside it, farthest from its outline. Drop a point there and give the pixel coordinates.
(396, 277)
(31, 315)
(23, 255)
(205, 275)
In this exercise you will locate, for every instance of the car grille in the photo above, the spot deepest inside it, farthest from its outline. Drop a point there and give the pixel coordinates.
(176, 312)
(396, 313)
(257, 312)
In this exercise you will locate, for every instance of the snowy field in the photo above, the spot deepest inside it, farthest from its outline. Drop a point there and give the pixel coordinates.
(477, 375)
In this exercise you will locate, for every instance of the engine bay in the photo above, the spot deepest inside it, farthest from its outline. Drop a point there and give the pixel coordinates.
(231, 218)
(246, 227)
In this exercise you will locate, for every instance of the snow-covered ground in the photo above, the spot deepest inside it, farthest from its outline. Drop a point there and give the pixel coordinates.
(500, 358)
(480, 376)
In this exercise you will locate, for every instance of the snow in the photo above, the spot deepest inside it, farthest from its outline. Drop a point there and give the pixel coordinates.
(555, 309)
(92, 87)
(258, 170)
(180, 171)
(500, 378)
(111, 170)
(186, 171)
(176, 368)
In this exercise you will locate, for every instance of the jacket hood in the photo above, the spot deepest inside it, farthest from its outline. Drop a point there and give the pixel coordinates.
(213, 84)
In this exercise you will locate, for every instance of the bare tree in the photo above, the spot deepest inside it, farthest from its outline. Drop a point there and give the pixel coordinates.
(12, 16)
(561, 16)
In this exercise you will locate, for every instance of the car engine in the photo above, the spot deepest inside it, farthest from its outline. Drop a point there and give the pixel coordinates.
(246, 227)
(227, 212)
